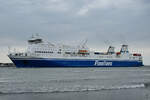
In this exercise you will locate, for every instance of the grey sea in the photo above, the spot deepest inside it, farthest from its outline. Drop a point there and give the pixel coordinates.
(130, 83)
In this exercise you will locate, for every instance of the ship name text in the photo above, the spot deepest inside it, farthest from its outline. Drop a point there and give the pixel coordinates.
(102, 63)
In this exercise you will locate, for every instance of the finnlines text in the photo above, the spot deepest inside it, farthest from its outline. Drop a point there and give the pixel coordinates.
(102, 63)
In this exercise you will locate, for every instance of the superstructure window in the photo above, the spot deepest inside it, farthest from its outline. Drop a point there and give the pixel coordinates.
(67, 52)
(97, 53)
(43, 52)
(59, 52)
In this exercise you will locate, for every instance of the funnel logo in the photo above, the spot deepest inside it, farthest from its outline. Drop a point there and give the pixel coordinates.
(102, 63)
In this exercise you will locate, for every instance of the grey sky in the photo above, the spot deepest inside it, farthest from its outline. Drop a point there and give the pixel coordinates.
(116, 21)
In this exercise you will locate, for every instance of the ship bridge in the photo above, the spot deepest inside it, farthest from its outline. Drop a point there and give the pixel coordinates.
(35, 39)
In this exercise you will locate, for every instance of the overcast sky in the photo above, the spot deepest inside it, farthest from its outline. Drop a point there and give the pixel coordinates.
(102, 22)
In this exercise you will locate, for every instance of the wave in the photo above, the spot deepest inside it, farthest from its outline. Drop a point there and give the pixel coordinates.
(51, 80)
(76, 89)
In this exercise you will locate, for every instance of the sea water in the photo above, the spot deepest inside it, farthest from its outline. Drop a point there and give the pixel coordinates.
(75, 83)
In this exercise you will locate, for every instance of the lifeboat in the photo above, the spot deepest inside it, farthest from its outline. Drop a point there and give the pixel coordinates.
(83, 51)
(118, 53)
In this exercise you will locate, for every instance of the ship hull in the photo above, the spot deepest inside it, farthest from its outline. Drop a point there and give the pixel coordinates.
(49, 62)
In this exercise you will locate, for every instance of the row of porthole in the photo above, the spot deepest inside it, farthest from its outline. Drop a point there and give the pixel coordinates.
(43, 52)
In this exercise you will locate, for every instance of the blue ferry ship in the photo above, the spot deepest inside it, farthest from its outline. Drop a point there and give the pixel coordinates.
(40, 53)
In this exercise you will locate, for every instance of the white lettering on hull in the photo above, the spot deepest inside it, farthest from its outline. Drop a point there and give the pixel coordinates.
(103, 63)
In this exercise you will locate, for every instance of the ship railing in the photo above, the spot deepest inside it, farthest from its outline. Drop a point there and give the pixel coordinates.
(17, 51)
(18, 54)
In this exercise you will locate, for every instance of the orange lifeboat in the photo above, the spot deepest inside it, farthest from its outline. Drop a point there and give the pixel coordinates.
(83, 51)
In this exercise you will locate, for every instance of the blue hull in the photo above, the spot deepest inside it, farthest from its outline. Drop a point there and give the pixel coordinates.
(43, 62)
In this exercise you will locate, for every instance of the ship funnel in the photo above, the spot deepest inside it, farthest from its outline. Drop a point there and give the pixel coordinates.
(111, 50)
(124, 49)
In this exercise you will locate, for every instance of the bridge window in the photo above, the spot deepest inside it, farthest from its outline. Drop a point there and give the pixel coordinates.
(59, 52)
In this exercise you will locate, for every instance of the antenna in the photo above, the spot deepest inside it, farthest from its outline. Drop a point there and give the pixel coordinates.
(37, 34)
(107, 42)
(32, 36)
(14, 50)
(83, 43)
(123, 39)
(9, 49)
